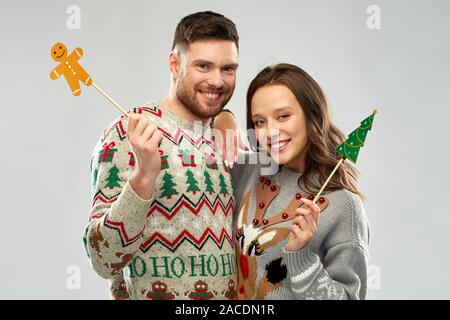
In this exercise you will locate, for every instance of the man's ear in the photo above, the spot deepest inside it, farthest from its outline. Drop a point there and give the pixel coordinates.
(174, 64)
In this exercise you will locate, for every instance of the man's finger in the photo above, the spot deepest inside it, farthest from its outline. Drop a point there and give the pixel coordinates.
(156, 138)
(140, 126)
(148, 132)
(132, 121)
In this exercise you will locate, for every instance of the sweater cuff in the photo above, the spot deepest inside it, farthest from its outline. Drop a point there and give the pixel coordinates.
(302, 261)
(129, 213)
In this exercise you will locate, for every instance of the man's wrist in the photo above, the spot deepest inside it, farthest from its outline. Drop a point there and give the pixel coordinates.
(143, 184)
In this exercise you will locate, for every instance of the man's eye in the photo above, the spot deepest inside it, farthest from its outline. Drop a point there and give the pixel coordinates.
(230, 69)
(203, 66)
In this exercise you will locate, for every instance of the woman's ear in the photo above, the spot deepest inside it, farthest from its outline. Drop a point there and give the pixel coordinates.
(174, 64)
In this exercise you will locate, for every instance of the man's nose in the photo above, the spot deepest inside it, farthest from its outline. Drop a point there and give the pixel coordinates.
(216, 79)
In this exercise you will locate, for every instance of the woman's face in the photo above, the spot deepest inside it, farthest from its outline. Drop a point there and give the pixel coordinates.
(280, 125)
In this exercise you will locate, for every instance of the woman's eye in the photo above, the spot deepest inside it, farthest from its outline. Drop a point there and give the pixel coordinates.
(283, 117)
(258, 122)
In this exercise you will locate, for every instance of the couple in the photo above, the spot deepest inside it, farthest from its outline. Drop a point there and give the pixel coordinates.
(170, 221)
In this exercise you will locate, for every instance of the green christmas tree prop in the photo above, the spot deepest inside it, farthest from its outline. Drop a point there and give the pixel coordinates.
(192, 183)
(168, 185)
(223, 185)
(113, 177)
(208, 182)
(350, 148)
(355, 141)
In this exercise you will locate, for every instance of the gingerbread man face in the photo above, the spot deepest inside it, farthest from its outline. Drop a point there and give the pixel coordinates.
(201, 286)
(159, 286)
(159, 292)
(231, 284)
(59, 51)
(201, 292)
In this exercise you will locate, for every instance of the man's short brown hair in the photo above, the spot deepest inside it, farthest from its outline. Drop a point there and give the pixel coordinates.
(203, 26)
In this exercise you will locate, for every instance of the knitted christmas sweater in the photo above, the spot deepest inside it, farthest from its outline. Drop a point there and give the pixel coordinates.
(178, 244)
(333, 265)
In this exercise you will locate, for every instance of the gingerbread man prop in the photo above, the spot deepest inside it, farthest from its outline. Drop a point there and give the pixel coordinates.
(69, 67)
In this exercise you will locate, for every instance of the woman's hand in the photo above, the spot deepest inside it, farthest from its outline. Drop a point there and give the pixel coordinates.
(227, 138)
(304, 225)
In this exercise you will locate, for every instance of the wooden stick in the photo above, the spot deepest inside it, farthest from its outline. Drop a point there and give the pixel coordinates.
(110, 99)
(328, 180)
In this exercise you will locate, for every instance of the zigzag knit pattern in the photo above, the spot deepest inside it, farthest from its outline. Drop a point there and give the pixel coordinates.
(179, 241)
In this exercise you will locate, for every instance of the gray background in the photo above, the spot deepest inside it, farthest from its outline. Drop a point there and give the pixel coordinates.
(48, 135)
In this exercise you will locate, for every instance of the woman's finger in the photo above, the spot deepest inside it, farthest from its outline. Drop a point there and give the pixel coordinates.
(311, 223)
(297, 232)
(315, 210)
(230, 138)
(243, 145)
(301, 222)
(302, 211)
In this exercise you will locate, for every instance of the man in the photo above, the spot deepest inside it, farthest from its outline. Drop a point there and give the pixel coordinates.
(160, 224)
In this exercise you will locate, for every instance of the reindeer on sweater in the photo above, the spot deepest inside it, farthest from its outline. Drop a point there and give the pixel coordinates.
(256, 237)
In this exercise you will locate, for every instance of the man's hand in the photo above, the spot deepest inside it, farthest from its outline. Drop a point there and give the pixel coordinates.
(144, 138)
(227, 138)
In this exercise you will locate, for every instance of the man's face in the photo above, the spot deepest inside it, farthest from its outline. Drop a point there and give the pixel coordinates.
(207, 76)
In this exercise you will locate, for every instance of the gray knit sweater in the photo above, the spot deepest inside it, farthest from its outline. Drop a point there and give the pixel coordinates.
(333, 265)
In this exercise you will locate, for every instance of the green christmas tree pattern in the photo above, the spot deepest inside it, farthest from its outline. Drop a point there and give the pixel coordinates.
(192, 183)
(208, 182)
(168, 186)
(113, 177)
(223, 185)
(355, 141)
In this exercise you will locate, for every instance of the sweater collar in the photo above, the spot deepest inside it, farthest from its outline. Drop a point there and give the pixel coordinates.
(288, 178)
(194, 126)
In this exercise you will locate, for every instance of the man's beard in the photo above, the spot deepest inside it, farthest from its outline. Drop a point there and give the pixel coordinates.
(190, 101)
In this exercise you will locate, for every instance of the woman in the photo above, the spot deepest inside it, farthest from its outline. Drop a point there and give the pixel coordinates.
(287, 246)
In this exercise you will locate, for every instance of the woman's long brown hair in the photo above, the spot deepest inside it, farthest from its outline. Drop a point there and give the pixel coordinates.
(323, 135)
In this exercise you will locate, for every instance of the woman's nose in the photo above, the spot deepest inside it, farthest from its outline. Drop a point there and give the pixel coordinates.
(273, 130)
